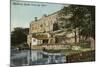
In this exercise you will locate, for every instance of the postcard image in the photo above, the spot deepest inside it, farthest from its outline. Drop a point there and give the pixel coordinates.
(51, 33)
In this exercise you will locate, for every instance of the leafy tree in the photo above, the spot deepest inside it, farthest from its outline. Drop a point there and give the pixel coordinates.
(82, 20)
(19, 36)
(88, 28)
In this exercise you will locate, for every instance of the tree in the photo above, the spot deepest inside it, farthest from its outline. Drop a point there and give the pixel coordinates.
(82, 20)
(88, 28)
(19, 36)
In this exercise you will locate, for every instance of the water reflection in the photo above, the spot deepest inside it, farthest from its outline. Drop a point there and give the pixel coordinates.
(37, 57)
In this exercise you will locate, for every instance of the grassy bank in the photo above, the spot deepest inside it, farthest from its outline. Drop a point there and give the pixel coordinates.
(66, 51)
(52, 50)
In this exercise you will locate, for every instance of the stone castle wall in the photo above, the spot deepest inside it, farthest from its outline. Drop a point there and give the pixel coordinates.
(44, 24)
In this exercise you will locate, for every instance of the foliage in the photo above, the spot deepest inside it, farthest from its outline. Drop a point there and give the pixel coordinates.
(19, 36)
(82, 18)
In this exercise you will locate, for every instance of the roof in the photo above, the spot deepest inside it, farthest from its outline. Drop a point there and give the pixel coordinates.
(46, 16)
(41, 36)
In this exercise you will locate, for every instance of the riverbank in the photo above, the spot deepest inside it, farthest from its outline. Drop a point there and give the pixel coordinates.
(82, 55)
(51, 47)
(67, 51)
(70, 55)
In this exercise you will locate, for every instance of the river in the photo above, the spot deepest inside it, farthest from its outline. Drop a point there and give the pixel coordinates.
(35, 57)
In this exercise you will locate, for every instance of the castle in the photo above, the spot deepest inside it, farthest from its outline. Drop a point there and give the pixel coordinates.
(46, 31)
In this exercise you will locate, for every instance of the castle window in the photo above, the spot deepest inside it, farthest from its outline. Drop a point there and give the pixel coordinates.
(41, 25)
(55, 26)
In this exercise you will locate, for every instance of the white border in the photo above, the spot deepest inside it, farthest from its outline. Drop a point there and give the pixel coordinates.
(5, 33)
(86, 2)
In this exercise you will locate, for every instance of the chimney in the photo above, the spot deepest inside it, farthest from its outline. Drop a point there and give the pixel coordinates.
(44, 15)
(35, 18)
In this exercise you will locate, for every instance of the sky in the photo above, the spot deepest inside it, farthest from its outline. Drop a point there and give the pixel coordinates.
(22, 13)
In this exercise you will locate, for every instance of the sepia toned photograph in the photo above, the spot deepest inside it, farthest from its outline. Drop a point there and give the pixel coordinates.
(51, 33)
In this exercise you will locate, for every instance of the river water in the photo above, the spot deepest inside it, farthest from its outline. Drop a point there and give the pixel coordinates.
(35, 57)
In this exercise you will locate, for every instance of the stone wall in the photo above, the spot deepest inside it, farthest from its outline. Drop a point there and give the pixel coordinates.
(44, 24)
